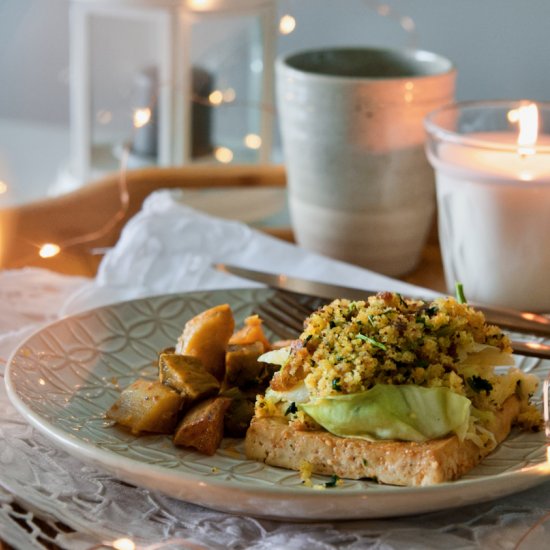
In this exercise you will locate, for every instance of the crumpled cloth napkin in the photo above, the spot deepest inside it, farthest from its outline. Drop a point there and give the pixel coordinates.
(168, 247)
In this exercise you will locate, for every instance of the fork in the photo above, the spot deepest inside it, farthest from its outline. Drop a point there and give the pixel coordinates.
(284, 313)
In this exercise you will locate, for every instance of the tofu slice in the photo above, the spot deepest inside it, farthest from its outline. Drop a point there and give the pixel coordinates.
(273, 441)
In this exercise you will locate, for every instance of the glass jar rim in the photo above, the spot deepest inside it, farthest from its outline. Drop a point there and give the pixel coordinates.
(440, 133)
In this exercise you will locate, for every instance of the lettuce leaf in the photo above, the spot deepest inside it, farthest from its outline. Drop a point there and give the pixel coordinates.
(404, 412)
(276, 357)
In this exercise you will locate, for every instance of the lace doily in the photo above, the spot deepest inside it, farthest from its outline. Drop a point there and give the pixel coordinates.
(47, 496)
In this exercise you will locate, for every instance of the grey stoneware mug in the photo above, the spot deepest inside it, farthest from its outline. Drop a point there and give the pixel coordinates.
(360, 187)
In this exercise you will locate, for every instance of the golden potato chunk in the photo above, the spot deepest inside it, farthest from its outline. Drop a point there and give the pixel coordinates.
(241, 364)
(202, 427)
(147, 406)
(206, 336)
(186, 374)
(238, 416)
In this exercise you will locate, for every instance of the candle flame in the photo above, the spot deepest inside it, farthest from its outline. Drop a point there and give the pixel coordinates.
(527, 118)
(3, 187)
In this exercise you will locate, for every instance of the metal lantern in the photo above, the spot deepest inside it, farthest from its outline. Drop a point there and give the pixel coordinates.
(170, 81)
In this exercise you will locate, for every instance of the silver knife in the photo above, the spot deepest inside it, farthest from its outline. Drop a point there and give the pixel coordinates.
(519, 321)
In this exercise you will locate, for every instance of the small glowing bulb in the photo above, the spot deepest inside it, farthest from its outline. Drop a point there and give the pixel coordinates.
(513, 115)
(287, 24)
(407, 24)
(124, 544)
(104, 117)
(49, 250)
(229, 95)
(142, 117)
(253, 141)
(216, 97)
(3, 187)
(223, 154)
(198, 4)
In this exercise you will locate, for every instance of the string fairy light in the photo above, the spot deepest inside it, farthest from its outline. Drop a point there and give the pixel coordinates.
(124, 544)
(223, 154)
(142, 117)
(404, 21)
(253, 141)
(287, 24)
(49, 250)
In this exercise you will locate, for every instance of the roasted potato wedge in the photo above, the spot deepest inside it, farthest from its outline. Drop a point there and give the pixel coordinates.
(147, 406)
(241, 364)
(202, 426)
(206, 336)
(238, 417)
(186, 374)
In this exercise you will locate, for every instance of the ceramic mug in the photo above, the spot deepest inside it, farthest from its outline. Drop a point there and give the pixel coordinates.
(360, 187)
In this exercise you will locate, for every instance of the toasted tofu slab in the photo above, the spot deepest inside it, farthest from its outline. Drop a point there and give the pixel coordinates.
(275, 442)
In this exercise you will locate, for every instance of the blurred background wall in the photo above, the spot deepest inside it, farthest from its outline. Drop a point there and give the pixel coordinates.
(498, 46)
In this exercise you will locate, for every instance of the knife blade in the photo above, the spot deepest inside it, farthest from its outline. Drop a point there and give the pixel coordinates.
(518, 321)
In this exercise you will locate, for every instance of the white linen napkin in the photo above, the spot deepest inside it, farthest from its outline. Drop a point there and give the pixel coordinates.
(169, 247)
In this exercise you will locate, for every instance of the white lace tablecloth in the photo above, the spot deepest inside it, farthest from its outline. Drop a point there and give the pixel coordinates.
(48, 496)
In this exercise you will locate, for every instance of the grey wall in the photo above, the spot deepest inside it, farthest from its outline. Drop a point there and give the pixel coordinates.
(499, 46)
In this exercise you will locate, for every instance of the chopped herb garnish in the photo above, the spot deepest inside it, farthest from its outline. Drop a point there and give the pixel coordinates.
(371, 320)
(308, 338)
(420, 320)
(421, 363)
(401, 300)
(371, 341)
(336, 384)
(444, 330)
(432, 310)
(460, 298)
(333, 481)
(291, 409)
(479, 384)
(365, 463)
